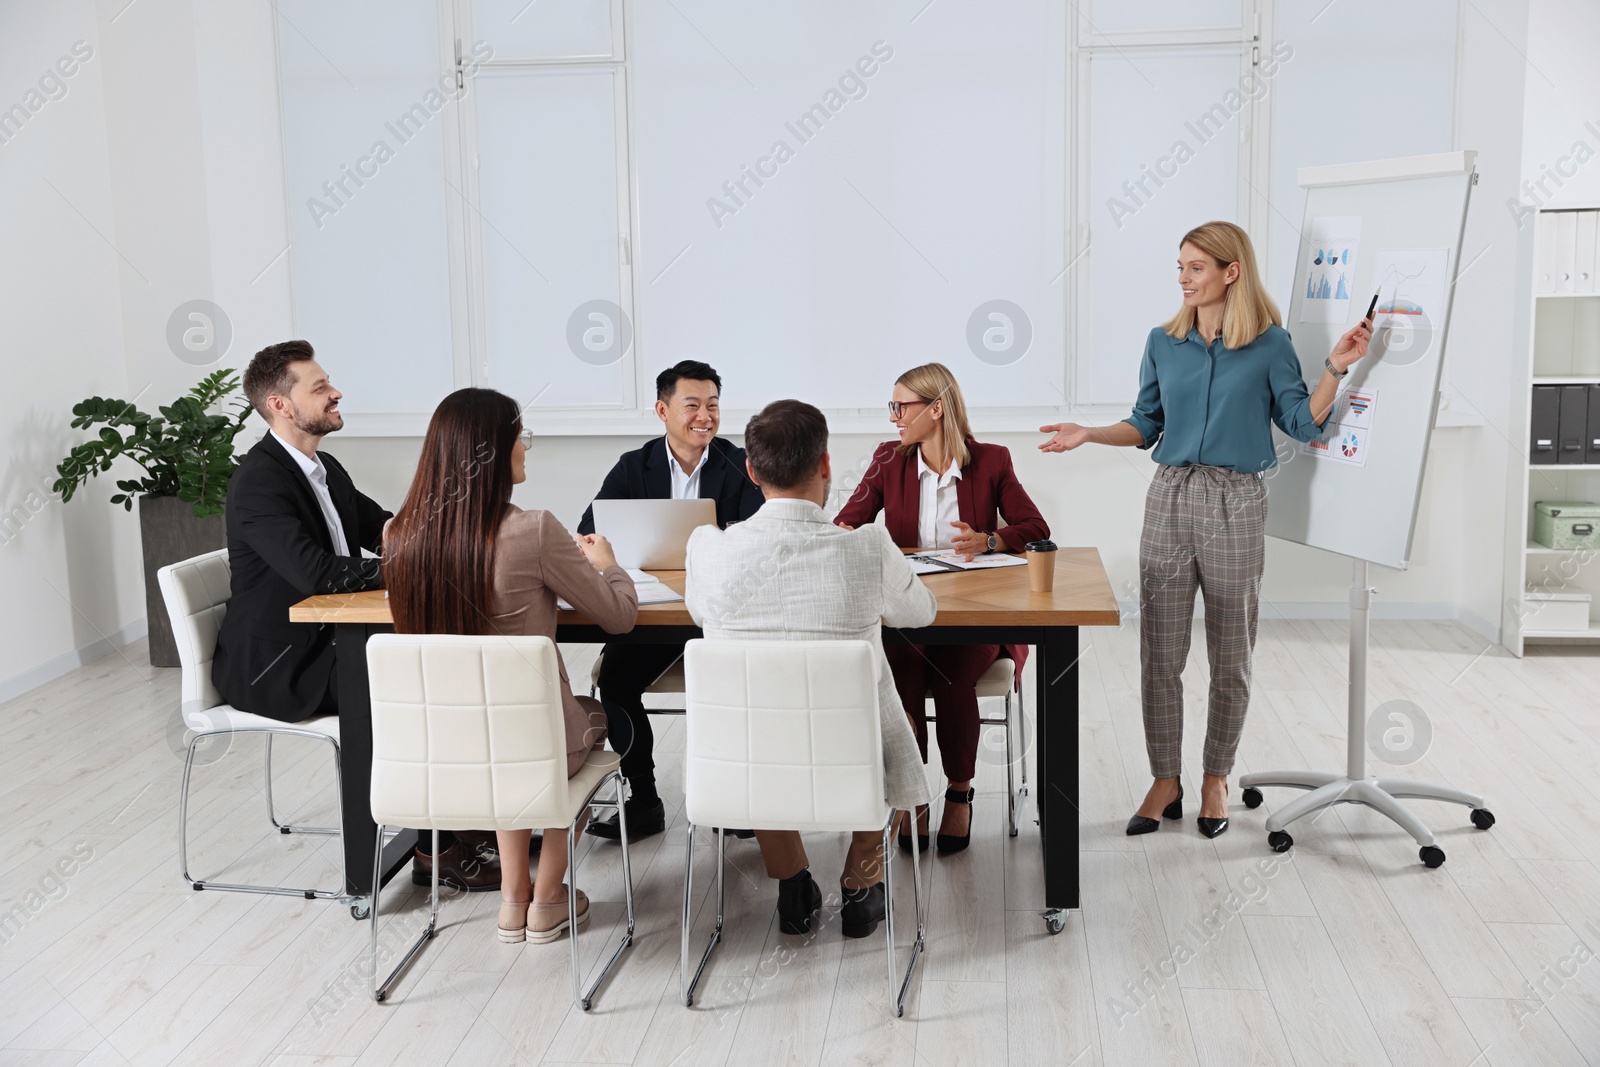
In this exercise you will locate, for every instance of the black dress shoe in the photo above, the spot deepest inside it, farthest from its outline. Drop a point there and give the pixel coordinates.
(798, 901)
(1213, 827)
(951, 843)
(863, 910)
(644, 820)
(1143, 824)
(459, 868)
(904, 837)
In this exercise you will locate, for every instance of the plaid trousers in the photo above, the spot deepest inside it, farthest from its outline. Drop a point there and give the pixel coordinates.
(1203, 526)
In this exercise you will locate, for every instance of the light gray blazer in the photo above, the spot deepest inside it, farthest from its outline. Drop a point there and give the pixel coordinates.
(787, 573)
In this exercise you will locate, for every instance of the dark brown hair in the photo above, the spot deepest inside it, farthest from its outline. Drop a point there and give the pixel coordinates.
(784, 442)
(438, 556)
(269, 373)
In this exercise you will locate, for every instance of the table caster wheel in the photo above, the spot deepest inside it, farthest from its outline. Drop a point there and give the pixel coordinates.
(1280, 841)
(1251, 797)
(1056, 920)
(1482, 818)
(1432, 855)
(360, 911)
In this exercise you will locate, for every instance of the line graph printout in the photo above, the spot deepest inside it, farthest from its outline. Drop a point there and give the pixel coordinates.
(1410, 287)
(1330, 268)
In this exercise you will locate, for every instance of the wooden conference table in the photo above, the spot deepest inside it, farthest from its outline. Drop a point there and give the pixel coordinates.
(975, 607)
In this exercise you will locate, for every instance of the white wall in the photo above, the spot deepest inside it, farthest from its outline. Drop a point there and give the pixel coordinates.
(179, 104)
(69, 574)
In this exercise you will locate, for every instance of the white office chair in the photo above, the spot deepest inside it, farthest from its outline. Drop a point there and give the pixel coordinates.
(1001, 680)
(196, 594)
(784, 735)
(468, 733)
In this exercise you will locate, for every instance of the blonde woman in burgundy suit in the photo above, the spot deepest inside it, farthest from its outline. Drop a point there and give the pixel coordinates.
(939, 488)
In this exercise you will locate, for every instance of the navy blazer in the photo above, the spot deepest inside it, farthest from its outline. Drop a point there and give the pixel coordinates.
(280, 551)
(645, 474)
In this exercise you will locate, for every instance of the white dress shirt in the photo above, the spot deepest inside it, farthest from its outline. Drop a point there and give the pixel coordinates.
(685, 484)
(317, 475)
(938, 507)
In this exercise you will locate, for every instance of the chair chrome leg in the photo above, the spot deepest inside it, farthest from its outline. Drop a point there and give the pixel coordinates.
(900, 986)
(183, 814)
(1022, 724)
(183, 822)
(1011, 788)
(272, 811)
(688, 914)
(380, 989)
(585, 1000)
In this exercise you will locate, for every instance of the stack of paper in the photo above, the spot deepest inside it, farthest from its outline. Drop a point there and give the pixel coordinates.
(951, 560)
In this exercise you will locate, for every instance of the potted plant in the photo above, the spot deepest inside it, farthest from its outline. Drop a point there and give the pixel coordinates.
(187, 455)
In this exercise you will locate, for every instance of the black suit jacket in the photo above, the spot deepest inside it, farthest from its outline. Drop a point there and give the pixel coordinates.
(644, 474)
(280, 552)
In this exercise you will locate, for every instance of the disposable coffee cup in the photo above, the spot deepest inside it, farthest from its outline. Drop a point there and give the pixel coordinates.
(1041, 556)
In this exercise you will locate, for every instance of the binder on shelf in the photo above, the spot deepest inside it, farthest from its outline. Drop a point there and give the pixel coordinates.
(1572, 437)
(1584, 264)
(1558, 249)
(1543, 423)
(1594, 424)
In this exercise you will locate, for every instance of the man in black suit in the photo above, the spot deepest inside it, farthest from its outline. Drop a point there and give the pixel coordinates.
(296, 527)
(688, 462)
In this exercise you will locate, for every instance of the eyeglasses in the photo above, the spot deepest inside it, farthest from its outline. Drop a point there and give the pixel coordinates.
(898, 407)
(526, 439)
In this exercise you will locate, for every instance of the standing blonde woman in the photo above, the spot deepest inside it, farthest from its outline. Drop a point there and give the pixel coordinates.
(1213, 381)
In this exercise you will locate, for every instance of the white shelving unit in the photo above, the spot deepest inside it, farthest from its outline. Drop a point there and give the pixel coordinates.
(1562, 309)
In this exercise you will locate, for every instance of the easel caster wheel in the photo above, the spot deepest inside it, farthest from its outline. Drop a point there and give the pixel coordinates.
(1055, 920)
(359, 911)
(1280, 841)
(1432, 855)
(1482, 818)
(1251, 797)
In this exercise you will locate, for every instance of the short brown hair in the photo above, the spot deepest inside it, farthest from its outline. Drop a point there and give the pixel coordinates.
(784, 442)
(269, 373)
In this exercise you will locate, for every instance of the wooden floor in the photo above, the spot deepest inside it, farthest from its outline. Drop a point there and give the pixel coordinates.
(1344, 951)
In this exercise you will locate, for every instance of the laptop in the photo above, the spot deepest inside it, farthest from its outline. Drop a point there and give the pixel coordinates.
(652, 535)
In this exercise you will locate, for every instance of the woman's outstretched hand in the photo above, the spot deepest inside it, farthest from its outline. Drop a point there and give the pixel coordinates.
(1352, 346)
(1067, 436)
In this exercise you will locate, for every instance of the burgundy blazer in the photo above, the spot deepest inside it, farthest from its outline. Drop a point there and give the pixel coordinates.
(987, 493)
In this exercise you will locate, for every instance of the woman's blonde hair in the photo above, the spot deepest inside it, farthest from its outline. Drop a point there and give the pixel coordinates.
(1248, 310)
(933, 381)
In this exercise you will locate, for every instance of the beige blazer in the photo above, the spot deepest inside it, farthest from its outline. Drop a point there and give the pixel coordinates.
(535, 561)
(787, 573)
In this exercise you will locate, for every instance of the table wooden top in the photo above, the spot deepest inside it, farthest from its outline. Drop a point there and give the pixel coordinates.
(1082, 597)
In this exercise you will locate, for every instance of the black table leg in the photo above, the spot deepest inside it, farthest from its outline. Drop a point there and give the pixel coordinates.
(355, 766)
(1056, 726)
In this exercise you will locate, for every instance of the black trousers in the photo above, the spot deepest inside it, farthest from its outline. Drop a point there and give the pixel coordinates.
(330, 706)
(625, 672)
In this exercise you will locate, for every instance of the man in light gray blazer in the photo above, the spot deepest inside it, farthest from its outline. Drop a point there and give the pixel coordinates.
(787, 573)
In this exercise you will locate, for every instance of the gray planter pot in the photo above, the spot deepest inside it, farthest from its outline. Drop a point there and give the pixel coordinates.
(171, 533)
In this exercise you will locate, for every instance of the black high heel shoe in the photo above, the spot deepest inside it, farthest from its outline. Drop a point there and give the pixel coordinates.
(950, 843)
(904, 837)
(1143, 824)
(1214, 827)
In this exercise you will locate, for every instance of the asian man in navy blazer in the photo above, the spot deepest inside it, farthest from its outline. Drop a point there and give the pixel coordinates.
(688, 462)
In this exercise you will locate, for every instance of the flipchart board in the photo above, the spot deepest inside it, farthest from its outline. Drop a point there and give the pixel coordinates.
(1391, 228)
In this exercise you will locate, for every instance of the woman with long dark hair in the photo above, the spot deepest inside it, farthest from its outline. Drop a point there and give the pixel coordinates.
(460, 558)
